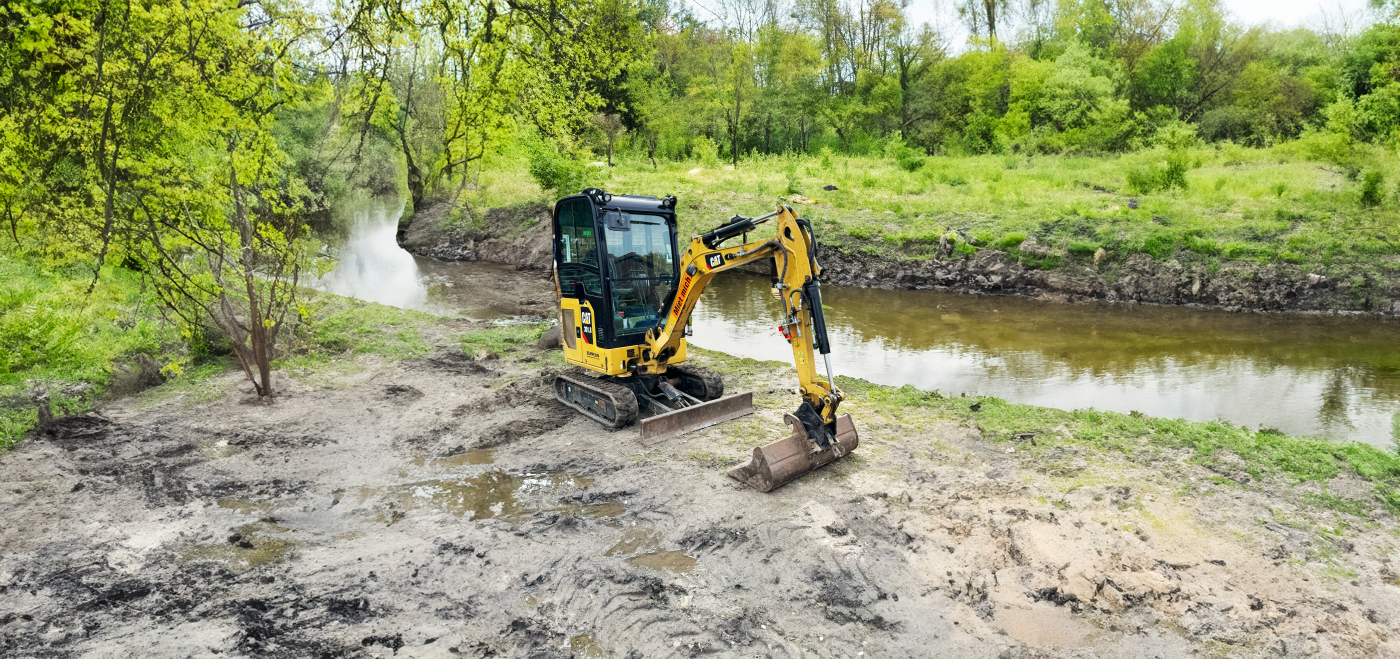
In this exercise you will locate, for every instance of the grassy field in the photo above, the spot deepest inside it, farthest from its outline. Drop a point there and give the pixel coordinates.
(1265, 205)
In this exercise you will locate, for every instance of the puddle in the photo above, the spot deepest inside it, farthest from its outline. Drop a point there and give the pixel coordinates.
(246, 507)
(246, 547)
(604, 510)
(635, 539)
(583, 645)
(496, 493)
(671, 561)
(219, 449)
(476, 456)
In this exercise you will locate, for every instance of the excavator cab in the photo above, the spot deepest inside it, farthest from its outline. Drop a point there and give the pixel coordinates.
(626, 290)
(615, 259)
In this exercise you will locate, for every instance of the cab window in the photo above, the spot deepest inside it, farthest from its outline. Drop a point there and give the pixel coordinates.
(642, 268)
(578, 248)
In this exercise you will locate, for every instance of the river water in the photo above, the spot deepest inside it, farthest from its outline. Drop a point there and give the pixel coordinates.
(1335, 377)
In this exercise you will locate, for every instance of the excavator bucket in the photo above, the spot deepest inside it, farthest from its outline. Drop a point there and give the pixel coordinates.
(665, 426)
(790, 457)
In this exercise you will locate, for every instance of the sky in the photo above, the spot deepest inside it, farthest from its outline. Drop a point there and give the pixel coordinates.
(1288, 13)
(1281, 13)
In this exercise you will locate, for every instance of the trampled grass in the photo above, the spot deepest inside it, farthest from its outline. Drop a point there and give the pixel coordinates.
(1263, 205)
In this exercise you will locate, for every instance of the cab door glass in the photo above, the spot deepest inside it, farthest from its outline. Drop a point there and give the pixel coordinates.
(578, 249)
(642, 268)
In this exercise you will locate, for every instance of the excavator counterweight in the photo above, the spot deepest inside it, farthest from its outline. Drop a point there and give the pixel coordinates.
(626, 293)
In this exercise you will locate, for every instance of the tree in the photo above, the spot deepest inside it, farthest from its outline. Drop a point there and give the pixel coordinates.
(147, 136)
(610, 125)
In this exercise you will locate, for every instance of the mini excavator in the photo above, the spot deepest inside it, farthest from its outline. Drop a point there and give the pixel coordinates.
(626, 293)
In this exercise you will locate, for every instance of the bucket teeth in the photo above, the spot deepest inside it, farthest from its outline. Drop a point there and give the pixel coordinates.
(786, 459)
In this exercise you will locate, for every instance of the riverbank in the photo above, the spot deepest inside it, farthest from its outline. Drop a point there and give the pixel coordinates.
(430, 499)
(1253, 230)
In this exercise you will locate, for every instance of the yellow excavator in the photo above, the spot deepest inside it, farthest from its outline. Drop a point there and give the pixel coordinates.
(626, 293)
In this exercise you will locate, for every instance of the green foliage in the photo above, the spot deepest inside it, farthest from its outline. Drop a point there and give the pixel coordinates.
(554, 170)
(1372, 188)
(54, 334)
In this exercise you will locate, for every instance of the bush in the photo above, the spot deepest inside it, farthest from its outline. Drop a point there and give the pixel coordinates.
(705, 150)
(1227, 123)
(1158, 170)
(1372, 192)
(553, 170)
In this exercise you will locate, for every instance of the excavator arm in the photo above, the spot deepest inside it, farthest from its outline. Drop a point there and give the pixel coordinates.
(819, 434)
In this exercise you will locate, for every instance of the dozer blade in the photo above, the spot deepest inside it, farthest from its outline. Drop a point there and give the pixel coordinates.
(790, 457)
(665, 426)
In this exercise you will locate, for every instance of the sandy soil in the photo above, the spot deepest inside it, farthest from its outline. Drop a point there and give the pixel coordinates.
(448, 507)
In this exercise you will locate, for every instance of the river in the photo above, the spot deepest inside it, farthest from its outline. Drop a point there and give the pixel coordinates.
(1335, 377)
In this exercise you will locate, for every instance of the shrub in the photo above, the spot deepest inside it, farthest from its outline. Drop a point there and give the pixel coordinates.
(1158, 170)
(705, 150)
(1372, 192)
(553, 170)
(794, 186)
(1226, 123)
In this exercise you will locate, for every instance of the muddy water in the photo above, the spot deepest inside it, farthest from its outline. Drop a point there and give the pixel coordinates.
(1325, 376)
(1331, 377)
(371, 266)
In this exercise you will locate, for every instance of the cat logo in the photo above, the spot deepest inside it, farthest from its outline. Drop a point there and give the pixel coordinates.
(714, 260)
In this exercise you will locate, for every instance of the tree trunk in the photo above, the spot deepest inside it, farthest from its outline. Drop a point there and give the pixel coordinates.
(258, 339)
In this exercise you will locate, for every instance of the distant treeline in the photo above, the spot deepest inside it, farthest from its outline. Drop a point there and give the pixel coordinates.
(1051, 77)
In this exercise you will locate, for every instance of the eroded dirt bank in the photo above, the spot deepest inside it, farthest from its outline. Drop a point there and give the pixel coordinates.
(448, 507)
(519, 235)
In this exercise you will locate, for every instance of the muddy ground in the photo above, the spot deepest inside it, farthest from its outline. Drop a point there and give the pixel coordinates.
(520, 235)
(448, 507)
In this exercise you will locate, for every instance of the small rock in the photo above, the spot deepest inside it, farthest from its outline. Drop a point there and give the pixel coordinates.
(830, 188)
(799, 199)
(1099, 254)
(549, 340)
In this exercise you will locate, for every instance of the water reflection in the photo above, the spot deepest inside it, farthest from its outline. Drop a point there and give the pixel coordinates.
(1334, 377)
(371, 266)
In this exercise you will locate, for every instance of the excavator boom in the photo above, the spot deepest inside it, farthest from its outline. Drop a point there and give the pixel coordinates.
(819, 435)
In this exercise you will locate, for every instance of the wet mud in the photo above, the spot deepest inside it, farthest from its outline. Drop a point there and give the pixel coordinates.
(414, 510)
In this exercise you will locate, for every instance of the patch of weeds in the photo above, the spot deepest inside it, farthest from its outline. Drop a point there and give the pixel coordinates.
(862, 233)
(503, 340)
(1330, 502)
(335, 325)
(1010, 241)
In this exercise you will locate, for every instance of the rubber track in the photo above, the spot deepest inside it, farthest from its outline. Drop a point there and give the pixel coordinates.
(713, 383)
(623, 400)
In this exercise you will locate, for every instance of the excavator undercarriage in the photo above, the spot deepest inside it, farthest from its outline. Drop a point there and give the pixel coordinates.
(626, 294)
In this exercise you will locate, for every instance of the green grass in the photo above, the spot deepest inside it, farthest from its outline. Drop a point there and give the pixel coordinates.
(1262, 205)
(504, 340)
(333, 326)
(1263, 453)
(56, 335)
